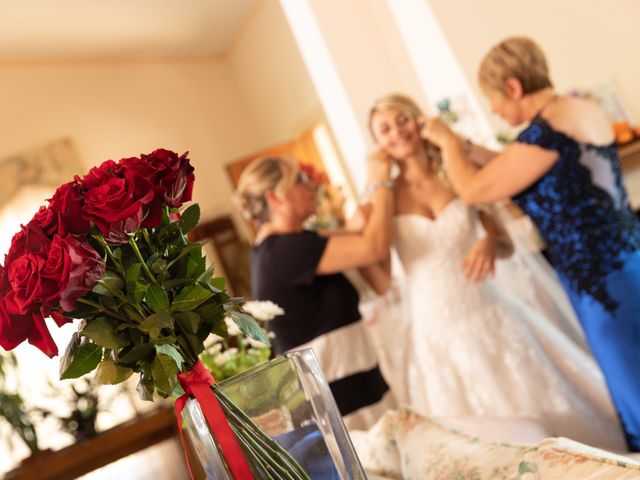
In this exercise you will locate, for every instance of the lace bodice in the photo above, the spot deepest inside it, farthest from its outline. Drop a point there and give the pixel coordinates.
(435, 248)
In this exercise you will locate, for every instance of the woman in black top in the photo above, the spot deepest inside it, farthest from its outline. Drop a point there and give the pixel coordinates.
(301, 271)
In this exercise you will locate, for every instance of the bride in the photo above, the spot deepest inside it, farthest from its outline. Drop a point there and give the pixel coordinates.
(475, 348)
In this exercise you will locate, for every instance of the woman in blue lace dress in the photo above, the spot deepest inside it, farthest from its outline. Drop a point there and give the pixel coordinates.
(563, 170)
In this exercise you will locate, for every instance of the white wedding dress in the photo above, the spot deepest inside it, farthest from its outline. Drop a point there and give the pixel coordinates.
(478, 349)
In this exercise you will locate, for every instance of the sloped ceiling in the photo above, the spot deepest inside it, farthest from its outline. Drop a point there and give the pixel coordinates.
(71, 29)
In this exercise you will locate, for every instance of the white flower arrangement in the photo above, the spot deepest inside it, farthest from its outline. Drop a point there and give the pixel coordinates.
(226, 357)
(262, 310)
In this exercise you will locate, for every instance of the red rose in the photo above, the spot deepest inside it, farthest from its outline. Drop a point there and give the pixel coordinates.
(20, 284)
(15, 329)
(85, 269)
(24, 277)
(116, 207)
(64, 213)
(55, 272)
(174, 173)
(30, 238)
(5, 286)
(98, 176)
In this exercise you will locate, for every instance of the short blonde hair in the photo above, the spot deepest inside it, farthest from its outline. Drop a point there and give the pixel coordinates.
(277, 174)
(518, 57)
(406, 105)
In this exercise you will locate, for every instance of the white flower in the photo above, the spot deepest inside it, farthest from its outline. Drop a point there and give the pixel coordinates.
(212, 340)
(255, 344)
(225, 356)
(263, 310)
(232, 328)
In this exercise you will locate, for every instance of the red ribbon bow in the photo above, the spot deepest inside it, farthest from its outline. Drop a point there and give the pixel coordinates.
(197, 383)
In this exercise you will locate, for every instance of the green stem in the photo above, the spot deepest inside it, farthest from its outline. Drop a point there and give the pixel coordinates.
(100, 238)
(136, 250)
(145, 234)
(250, 426)
(100, 308)
(261, 463)
(190, 356)
(113, 292)
(95, 305)
(262, 452)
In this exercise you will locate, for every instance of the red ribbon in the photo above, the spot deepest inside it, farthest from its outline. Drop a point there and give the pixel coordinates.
(197, 383)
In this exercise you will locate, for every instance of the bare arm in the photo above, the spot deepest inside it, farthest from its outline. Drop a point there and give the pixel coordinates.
(372, 244)
(480, 155)
(378, 275)
(510, 172)
(497, 233)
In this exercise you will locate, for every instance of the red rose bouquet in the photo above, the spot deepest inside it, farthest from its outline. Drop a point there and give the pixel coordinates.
(111, 250)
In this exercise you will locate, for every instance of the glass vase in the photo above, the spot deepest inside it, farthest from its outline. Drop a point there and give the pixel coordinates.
(290, 400)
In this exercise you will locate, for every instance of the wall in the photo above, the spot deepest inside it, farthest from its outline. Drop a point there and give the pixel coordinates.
(268, 69)
(586, 41)
(368, 52)
(114, 109)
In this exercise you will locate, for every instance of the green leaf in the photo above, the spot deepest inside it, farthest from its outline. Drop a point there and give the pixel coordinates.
(211, 312)
(111, 282)
(109, 302)
(177, 282)
(190, 343)
(133, 274)
(196, 265)
(145, 384)
(172, 352)
(102, 331)
(108, 373)
(189, 321)
(206, 277)
(185, 250)
(189, 218)
(177, 392)
(156, 322)
(156, 298)
(138, 352)
(219, 282)
(165, 374)
(80, 358)
(159, 266)
(189, 298)
(250, 327)
(135, 288)
(82, 311)
(131, 313)
(219, 328)
(165, 340)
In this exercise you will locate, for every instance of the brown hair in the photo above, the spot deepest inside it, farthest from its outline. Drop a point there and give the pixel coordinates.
(518, 57)
(260, 176)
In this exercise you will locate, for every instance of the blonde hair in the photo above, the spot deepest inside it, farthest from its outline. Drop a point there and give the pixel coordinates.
(518, 57)
(277, 174)
(406, 105)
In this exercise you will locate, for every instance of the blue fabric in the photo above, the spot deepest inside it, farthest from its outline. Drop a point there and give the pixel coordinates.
(593, 238)
(308, 447)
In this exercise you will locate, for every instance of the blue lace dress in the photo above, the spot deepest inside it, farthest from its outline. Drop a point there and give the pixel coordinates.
(593, 238)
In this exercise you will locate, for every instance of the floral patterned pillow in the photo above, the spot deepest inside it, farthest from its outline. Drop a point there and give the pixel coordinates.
(561, 458)
(377, 448)
(430, 450)
(406, 445)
